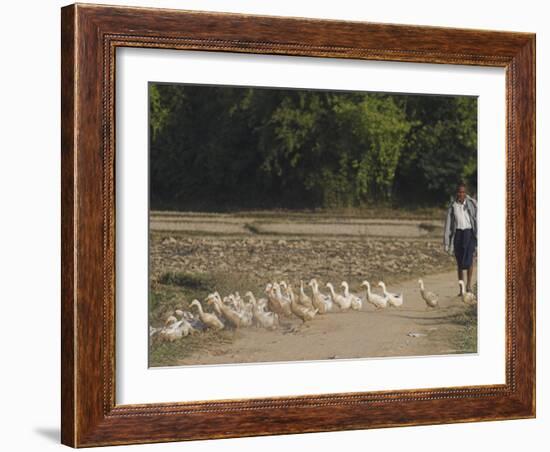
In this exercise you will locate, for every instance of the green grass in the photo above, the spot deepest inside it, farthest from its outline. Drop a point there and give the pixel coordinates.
(200, 285)
(188, 280)
(176, 290)
(466, 339)
(162, 354)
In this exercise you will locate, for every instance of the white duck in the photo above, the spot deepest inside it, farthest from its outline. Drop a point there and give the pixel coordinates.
(235, 302)
(194, 322)
(278, 290)
(356, 302)
(189, 317)
(273, 301)
(303, 298)
(378, 301)
(247, 314)
(264, 318)
(176, 330)
(394, 299)
(170, 320)
(239, 302)
(228, 301)
(153, 331)
(232, 316)
(343, 303)
(321, 301)
(210, 320)
(277, 302)
(430, 298)
(283, 286)
(170, 333)
(262, 303)
(467, 297)
(300, 311)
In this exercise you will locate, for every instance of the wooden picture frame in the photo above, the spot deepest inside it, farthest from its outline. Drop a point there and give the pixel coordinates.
(90, 35)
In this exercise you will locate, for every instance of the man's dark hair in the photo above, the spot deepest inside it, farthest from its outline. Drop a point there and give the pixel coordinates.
(460, 185)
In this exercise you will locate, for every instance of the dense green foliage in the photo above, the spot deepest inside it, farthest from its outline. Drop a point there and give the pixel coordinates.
(216, 148)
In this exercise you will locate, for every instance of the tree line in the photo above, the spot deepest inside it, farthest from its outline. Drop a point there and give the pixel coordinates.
(218, 148)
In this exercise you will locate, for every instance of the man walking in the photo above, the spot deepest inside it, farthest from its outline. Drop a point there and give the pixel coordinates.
(461, 233)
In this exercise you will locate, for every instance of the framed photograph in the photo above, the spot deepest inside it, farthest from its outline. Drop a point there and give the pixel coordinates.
(282, 225)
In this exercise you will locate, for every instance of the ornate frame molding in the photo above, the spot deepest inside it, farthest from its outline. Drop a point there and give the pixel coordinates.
(90, 36)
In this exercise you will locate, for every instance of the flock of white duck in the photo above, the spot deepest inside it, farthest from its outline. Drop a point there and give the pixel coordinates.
(281, 301)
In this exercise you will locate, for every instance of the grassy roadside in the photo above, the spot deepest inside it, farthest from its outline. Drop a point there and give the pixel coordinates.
(176, 290)
(466, 338)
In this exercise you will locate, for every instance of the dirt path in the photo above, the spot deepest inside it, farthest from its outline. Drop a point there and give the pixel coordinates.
(224, 225)
(407, 331)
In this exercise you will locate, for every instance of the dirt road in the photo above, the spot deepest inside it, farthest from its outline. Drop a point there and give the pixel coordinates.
(406, 331)
(293, 225)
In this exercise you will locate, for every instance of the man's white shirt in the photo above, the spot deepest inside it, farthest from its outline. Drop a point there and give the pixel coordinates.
(461, 215)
